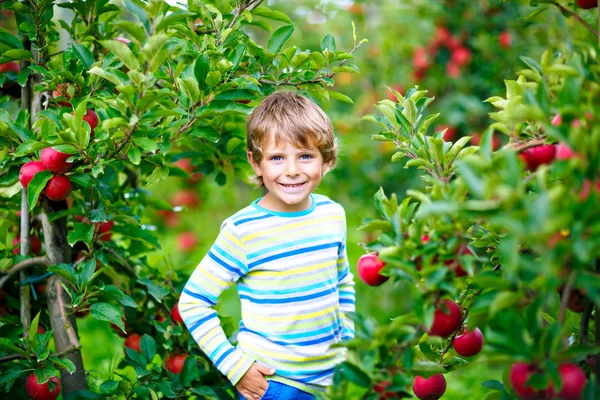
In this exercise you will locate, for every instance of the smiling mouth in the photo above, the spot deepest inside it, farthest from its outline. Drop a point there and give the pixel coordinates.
(292, 186)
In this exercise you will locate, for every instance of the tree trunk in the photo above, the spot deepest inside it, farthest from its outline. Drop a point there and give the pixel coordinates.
(63, 324)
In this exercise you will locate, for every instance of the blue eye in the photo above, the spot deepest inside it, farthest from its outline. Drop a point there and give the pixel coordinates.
(306, 156)
(276, 158)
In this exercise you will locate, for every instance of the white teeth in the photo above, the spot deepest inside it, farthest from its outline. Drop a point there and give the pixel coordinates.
(296, 185)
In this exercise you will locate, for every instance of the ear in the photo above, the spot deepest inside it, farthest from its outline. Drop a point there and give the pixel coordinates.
(326, 167)
(253, 164)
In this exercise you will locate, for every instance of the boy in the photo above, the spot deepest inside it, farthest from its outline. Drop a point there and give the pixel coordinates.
(286, 253)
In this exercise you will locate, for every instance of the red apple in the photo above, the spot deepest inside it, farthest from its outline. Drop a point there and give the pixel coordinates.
(468, 343)
(446, 319)
(41, 330)
(573, 381)
(460, 56)
(186, 241)
(368, 269)
(505, 39)
(564, 152)
(185, 198)
(133, 342)
(160, 317)
(556, 120)
(450, 132)
(175, 362)
(42, 391)
(381, 389)
(453, 70)
(420, 58)
(539, 155)
(496, 141)
(419, 74)
(454, 265)
(58, 188)
(11, 66)
(587, 4)
(186, 165)
(103, 230)
(442, 36)
(520, 374)
(91, 118)
(429, 388)
(61, 91)
(28, 171)
(587, 189)
(55, 161)
(175, 315)
(34, 242)
(576, 301)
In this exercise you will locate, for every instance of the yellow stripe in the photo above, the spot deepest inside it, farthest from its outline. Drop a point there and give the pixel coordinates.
(271, 231)
(290, 318)
(258, 325)
(270, 274)
(237, 250)
(291, 357)
(220, 283)
(236, 367)
(208, 336)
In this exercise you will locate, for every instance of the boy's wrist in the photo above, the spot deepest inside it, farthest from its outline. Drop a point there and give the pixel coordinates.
(240, 368)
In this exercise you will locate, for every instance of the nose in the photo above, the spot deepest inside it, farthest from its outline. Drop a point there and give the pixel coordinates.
(292, 168)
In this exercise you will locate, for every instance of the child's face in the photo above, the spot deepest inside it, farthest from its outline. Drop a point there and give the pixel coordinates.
(290, 175)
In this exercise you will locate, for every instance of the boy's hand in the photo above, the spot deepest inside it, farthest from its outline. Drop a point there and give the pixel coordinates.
(253, 384)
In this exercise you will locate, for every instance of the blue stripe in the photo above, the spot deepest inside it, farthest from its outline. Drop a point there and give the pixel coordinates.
(243, 221)
(324, 339)
(344, 274)
(315, 377)
(346, 301)
(223, 263)
(223, 356)
(229, 257)
(199, 296)
(269, 249)
(197, 324)
(292, 253)
(319, 285)
(288, 300)
(294, 374)
(218, 349)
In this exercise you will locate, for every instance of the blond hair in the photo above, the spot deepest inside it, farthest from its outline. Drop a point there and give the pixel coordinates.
(290, 116)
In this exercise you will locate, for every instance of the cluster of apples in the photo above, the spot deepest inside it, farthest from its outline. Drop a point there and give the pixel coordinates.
(573, 380)
(59, 186)
(174, 362)
(460, 55)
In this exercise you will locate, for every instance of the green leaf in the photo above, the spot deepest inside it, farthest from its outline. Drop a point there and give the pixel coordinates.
(158, 292)
(155, 50)
(341, 97)
(145, 143)
(328, 43)
(34, 326)
(266, 12)
(495, 385)
(118, 295)
(279, 38)
(35, 187)
(64, 270)
(81, 233)
(108, 388)
(82, 179)
(84, 55)
(63, 363)
(135, 155)
(354, 374)
(122, 52)
(108, 312)
(148, 346)
(437, 208)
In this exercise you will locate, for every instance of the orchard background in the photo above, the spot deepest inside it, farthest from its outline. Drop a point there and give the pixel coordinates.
(508, 230)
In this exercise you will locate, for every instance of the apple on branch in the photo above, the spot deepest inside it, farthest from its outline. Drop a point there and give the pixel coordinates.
(468, 344)
(175, 362)
(446, 319)
(28, 171)
(369, 267)
(431, 388)
(55, 161)
(42, 391)
(58, 188)
(133, 342)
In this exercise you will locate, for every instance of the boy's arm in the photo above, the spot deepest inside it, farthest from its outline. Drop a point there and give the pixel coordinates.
(346, 291)
(224, 263)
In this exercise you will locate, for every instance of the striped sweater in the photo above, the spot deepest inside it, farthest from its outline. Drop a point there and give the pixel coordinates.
(295, 286)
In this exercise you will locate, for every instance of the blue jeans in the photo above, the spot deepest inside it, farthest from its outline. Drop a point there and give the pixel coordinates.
(280, 391)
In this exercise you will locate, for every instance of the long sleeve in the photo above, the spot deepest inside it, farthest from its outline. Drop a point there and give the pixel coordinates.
(346, 291)
(225, 263)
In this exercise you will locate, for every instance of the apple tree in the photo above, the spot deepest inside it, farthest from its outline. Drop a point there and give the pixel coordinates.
(101, 100)
(494, 251)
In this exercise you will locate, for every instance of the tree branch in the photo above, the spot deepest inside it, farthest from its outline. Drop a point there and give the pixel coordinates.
(576, 16)
(60, 354)
(30, 262)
